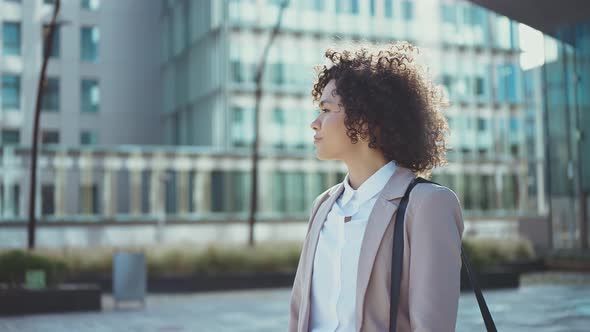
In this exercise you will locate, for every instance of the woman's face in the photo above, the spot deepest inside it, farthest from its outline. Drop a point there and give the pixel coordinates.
(330, 138)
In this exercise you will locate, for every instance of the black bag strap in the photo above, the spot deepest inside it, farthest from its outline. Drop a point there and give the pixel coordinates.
(397, 264)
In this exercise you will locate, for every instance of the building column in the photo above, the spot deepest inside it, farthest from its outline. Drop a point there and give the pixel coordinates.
(158, 166)
(202, 192)
(135, 192)
(8, 181)
(135, 164)
(155, 206)
(182, 191)
(86, 179)
(109, 193)
(182, 166)
(9, 199)
(202, 186)
(62, 164)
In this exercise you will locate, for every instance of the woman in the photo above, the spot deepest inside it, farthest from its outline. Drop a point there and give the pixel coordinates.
(380, 115)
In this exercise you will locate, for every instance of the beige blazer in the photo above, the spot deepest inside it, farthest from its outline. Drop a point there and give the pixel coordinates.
(429, 291)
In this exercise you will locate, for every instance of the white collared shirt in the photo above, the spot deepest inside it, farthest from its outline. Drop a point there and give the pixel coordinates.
(335, 265)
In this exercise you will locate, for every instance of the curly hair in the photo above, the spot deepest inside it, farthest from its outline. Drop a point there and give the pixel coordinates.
(389, 100)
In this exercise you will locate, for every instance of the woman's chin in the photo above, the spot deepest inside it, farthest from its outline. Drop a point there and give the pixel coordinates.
(322, 156)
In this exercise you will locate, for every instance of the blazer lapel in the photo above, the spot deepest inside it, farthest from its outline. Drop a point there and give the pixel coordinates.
(379, 219)
(314, 234)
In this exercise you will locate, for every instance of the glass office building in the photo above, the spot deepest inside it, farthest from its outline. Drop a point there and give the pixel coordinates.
(566, 73)
(211, 50)
(567, 70)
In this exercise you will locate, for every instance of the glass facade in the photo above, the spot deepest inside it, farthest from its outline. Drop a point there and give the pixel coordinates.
(478, 66)
(88, 137)
(50, 137)
(10, 137)
(11, 38)
(56, 45)
(567, 71)
(51, 95)
(90, 96)
(10, 92)
(90, 4)
(89, 44)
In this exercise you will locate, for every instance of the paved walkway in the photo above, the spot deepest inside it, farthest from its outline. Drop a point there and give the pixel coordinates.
(529, 308)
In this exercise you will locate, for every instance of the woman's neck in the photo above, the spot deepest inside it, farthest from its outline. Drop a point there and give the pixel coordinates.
(359, 170)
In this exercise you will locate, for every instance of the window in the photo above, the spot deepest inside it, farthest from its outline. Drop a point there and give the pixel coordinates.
(503, 37)
(10, 137)
(11, 38)
(242, 126)
(88, 138)
(507, 83)
(50, 137)
(408, 9)
(481, 124)
(278, 197)
(236, 71)
(314, 5)
(389, 8)
(12, 209)
(90, 4)
(474, 16)
(51, 95)
(90, 37)
(10, 92)
(479, 86)
(449, 13)
(347, 6)
(170, 199)
(89, 199)
(295, 195)
(47, 199)
(55, 47)
(279, 128)
(49, 2)
(447, 82)
(90, 96)
(372, 7)
(274, 73)
(240, 182)
(217, 191)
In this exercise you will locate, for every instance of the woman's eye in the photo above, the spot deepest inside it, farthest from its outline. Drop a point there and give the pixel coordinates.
(324, 110)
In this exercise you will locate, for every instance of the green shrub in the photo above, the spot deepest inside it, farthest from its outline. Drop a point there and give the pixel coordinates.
(214, 259)
(15, 263)
(485, 254)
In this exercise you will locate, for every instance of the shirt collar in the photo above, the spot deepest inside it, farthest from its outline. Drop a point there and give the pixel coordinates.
(371, 187)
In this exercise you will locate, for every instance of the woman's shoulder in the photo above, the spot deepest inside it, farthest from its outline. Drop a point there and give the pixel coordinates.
(432, 193)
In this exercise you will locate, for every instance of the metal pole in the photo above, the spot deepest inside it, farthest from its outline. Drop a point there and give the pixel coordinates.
(48, 46)
(258, 96)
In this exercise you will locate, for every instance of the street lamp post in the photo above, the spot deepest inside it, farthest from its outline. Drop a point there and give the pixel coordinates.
(258, 97)
(47, 46)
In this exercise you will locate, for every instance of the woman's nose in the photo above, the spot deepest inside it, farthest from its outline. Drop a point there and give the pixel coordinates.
(314, 124)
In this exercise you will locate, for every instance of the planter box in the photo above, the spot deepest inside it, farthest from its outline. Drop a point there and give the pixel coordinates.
(235, 281)
(63, 298)
(201, 283)
(568, 265)
(491, 280)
